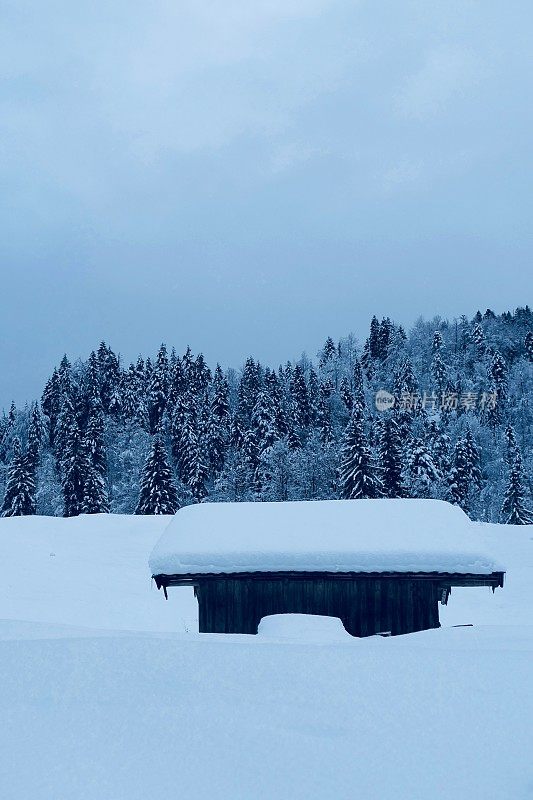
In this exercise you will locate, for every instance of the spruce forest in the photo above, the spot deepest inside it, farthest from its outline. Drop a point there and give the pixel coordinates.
(167, 431)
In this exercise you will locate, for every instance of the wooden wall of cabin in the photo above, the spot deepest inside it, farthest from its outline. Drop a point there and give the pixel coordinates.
(366, 606)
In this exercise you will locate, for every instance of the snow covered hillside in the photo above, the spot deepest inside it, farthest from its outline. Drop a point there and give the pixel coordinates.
(104, 695)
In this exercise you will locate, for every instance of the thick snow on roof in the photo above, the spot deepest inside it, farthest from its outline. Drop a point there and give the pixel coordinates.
(329, 536)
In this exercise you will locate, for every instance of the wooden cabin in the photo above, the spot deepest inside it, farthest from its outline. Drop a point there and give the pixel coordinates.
(381, 566)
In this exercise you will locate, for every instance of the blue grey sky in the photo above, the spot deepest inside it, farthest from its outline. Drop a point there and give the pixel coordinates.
(250, 176)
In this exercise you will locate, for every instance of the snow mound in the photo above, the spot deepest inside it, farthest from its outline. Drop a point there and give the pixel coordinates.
(304, 627)
(327, 535)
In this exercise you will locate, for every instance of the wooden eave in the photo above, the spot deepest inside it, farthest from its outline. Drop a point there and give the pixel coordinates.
(447, 579)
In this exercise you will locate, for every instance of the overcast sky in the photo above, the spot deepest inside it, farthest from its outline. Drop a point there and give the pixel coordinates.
(252, 176)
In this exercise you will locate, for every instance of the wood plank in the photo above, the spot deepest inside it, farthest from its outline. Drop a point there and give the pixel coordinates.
(365, 605)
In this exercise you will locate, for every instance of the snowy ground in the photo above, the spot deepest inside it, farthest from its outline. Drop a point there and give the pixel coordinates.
(104, 695)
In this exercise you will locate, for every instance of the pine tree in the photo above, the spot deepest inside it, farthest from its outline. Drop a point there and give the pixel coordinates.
(66, 419)
(94, 440)
(6, 432)
(300, 396)
(130, 391)
(385, 336)
(275, 392)
(140, 371)
(95, 499)
(374, 339)
(405, 396)
(92, 380)
(358, 385)
(162, 368)
(313, 389)
(36, 433)
(51, 404)
(250, 450)
(217, 443)
(478, 337)
(158, 493)
(142, 416)
(328, 352)
(218, 423)
(390, 457)
(473, 458)
(498, 374)
(237, 431)
(19, 498)
(437, 342)
(191, 459)
(178, 381)
(198, 479)
(460, 476)
(371, 349)
(528, 344)
(514, 511)
(420, 472)
(199, 376)
(492, 413)
(439, 447)
(66, 381)
(74, 465)
(182, 409)
(285, 375)
(263, 422)
(324, 418)
(156, 402)
(249, 387)
(220, 401)
(404, 378)
(187, 363)
(109, 373)
(511, 444)
(115, 401)
(158, 389)
(346, 393)
(185, 445)
(438, 367)
(358, 473)
(292, 438)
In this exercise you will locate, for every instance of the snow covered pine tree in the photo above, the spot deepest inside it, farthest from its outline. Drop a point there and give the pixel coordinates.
(158, 494)
(358, 473)
(19, 498)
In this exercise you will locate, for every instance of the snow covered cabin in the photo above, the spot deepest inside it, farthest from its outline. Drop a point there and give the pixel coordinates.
(381, 566)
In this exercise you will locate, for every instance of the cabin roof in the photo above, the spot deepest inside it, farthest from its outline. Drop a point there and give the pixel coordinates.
(363, 536)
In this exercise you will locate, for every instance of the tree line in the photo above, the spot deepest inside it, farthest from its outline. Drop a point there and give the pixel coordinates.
(160, 433)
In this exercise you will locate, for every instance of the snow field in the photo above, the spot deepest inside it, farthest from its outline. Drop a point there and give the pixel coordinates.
(104, 697)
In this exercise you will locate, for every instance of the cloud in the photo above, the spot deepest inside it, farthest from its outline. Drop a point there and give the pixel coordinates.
(404, 173)
(91, 95)
(292, 154)
(449, 73)
(197, 144)
(410, 174)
